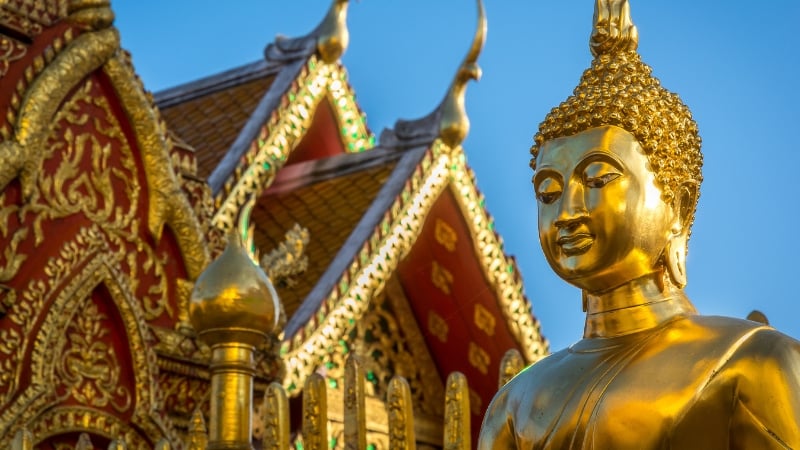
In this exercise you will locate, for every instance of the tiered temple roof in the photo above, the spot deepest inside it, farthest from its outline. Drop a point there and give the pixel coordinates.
(403, 264)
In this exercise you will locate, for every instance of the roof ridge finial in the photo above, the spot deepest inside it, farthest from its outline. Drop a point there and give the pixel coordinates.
(454, 123)
(329, 39)
(613, 30)
(332, 34)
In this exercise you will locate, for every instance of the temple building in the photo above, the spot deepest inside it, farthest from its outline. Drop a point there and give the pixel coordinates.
(113, 201)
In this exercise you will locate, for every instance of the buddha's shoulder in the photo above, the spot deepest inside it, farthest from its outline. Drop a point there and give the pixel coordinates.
(748, 339)
(719, 328)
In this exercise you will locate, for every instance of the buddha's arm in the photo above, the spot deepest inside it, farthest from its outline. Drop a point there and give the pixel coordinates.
(497, 430)
(767, 409)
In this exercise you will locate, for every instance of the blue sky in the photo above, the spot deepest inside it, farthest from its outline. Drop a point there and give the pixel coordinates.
(735, 65)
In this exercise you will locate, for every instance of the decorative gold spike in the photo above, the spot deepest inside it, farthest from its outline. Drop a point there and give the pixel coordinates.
(118, 444)
(23, 440)
(332, 33)
(84, 442)
(399, 408)
(355, 414)
(315, 413)
(276, 418)
(163, 444)
(510, 366)
(198, 435)
(613, 29)
(457, 413)
(454, 125)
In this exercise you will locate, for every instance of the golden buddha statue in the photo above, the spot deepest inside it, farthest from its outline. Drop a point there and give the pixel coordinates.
(617, 169)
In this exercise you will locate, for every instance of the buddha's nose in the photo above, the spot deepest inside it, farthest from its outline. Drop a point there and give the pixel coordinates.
(572, 206)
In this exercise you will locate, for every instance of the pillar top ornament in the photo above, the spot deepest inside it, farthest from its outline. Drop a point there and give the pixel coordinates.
(233, 299)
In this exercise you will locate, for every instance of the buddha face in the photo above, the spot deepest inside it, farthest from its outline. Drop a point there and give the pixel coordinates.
(602, 221)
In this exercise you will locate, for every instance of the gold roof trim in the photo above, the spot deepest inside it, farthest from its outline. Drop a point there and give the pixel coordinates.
(284, 130)
(368, 273)
(167, 204)
(391, 240)
(499, 269)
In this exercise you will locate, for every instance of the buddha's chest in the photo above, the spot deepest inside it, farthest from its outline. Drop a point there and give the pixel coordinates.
(642, 399)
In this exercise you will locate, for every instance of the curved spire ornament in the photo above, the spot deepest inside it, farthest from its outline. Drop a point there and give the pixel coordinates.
(454, 124)
(329, 39)
(332, 34)
(449, 121)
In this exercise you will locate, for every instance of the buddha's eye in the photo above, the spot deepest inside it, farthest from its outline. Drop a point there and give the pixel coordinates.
(598, 174)
(548, 190)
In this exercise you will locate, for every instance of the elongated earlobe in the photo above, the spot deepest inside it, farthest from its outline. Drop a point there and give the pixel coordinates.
(675, 255)
(677, 247)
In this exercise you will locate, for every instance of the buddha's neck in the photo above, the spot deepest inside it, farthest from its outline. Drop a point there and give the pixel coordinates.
(635, 306)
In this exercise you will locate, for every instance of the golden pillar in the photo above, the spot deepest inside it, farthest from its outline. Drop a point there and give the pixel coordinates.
(233, 309)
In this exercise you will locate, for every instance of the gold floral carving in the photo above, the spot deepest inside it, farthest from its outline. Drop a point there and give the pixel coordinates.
(484, 320)
(10, 50)
(441, 277)
(388, 340)
(288, 259)
(167, 204)
(91, 251)
(445, 235)
(418, 367)
(24, 153)
(390, 242)
(401, 415)
(88, 365)
(284, 130)
(437, 326)
(478, 358)
(62, 420)
(457, 415)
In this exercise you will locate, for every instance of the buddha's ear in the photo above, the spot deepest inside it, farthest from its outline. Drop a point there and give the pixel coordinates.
(677, 246)
(684, 204)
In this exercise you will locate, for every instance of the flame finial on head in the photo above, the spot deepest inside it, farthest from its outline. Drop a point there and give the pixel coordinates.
(613, 29)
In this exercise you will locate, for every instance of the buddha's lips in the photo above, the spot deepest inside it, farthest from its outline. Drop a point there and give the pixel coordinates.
(575, 244)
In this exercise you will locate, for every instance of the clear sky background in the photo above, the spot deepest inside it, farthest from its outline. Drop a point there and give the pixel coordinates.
(734, 63)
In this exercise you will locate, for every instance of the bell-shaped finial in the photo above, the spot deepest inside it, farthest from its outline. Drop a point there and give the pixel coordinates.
(233, 300)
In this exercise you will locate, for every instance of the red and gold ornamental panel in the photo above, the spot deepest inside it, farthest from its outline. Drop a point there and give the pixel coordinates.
(454, 304)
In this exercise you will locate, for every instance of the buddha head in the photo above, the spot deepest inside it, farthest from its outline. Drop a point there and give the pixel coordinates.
(617, 168)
